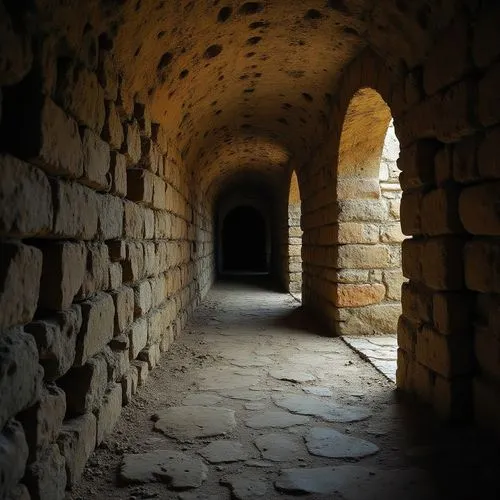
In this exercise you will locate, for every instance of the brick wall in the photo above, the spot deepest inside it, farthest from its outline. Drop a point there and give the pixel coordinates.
(105, 251)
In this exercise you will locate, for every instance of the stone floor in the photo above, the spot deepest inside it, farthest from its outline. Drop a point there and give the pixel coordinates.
(252, 402)
(380, 351)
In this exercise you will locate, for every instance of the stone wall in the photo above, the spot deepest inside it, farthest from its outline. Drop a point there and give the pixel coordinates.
(446, 115)
(103, 256)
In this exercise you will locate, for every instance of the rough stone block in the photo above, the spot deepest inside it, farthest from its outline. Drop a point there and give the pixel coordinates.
(109, 412)
(442, 263)
(76, 442)
(363, 256)
(391, 233)
(85, 386)
(13, 456)
(348, 232)
(440, 212)
(42, 422)
(118, 171)
(133, 265)
(46, 478)
(110, 222)
(62, 274)
(96, 276)
(133, 221)
(411, 215)
(416, 301)
(142, 298)
(96, 159)
(465, 165)
(452, 313)
(411, 258)
(115, 275)
(159, 193)
(75, 211)
(478, 209)
(447, 355)
(361, 210)
(56, 341)
(79, 92)
(25, 199)
(98, 315)
(132, 144)
(417, 164)
(407, 334)
(482, 265)
(121, 353)
(151, 355)
(124, 308)
(351, 295)
(20, 273)
(20, 373)
(112, 132)
(393, 281)
(117, 250)
(138, 337)
(443, 166)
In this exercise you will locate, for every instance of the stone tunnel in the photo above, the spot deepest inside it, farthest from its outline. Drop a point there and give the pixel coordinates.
(347, 150)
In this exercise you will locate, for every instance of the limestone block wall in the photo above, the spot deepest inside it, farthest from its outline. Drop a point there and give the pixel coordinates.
(446, 114)
(103, 256)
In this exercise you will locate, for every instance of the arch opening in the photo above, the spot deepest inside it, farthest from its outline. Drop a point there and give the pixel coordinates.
(244, 241)
(294, 250)
(368, 269)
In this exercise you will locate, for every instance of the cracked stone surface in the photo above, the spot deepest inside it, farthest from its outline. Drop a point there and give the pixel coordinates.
(224, 451)
(188, 422)
(261, 322)
(331, 412)
(291, 375)
(177, 469)
(331, 443)
(246, 486)
(280, 447)
(279, 419)
(353, 482)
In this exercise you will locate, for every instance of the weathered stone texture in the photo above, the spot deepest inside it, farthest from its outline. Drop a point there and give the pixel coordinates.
(20, 272)
(25, 199)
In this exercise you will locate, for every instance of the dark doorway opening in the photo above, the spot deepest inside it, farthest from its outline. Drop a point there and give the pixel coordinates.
(244, 241)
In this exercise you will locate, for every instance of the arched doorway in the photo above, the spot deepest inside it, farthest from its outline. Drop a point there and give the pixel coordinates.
(368, 267)
(294, 239)
(244, 241)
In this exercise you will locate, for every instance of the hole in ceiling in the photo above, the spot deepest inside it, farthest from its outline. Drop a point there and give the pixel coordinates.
(224, 14)
(251, 8)
(313, 14)
(212, 51)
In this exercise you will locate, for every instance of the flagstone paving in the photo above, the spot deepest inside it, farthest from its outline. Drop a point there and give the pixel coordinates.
(252, 401)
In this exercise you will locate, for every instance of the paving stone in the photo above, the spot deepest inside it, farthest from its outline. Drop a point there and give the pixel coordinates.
(279, 447)
(245, 486)
(201, 399)
(194, 495)
(244, 394)
(279, 419)
(178, 470)
(352, 482)
(318, 391)
(188, 422)
(291, 375)
(330, 443)
(255, 406)
(224, 452)
(329, 411)
(217, 379)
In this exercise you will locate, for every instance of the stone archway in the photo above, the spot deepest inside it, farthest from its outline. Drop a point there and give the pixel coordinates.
(368, 267)
(294, 238)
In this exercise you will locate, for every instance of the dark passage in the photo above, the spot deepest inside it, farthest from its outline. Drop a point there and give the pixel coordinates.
(244, 241)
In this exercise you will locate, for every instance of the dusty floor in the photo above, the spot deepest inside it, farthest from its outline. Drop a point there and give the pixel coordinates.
(241, 336)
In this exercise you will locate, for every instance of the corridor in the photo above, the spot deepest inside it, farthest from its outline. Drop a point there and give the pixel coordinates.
(251, 401)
